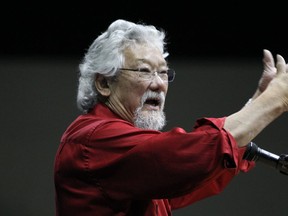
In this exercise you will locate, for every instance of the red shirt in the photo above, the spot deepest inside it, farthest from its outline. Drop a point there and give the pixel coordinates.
(106, 166)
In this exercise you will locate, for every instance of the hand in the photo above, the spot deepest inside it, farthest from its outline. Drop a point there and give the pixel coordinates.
(278, 87)
(269, 72)
(248, 122)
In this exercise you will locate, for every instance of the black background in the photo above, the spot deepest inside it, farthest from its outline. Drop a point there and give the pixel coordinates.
(215, 48)
(194, 29)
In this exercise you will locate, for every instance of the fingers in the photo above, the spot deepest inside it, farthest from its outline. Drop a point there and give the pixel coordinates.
(268, 59)
(281, 64)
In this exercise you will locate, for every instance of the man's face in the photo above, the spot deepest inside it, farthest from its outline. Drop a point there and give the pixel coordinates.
(139, 100)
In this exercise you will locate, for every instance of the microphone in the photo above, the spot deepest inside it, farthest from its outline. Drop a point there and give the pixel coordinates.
(255, 153)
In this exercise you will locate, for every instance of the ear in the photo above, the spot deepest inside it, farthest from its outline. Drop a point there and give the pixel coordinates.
(102, 85)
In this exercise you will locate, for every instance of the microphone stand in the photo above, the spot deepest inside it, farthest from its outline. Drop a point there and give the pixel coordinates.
(278, 162)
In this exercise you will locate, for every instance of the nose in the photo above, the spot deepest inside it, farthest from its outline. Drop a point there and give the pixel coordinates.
(157, 83)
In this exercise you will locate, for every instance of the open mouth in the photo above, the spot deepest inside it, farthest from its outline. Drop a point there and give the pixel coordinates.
(153, 103)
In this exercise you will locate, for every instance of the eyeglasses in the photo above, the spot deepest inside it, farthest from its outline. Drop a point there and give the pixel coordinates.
(146, 74)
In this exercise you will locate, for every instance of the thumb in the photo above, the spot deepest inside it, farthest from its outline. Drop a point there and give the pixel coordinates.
(268, 60)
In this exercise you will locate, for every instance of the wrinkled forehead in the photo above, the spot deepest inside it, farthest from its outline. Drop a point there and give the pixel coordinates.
(143, 53)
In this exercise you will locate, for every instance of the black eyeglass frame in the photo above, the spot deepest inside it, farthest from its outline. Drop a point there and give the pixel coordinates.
(170, 72)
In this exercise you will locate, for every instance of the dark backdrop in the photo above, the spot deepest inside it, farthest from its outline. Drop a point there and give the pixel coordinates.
(216, 52)
(194, 29)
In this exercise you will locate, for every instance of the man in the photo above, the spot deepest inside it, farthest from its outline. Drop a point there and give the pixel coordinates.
(115, 160)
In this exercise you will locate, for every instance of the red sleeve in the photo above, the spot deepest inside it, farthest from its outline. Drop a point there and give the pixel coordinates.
(231, 168)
